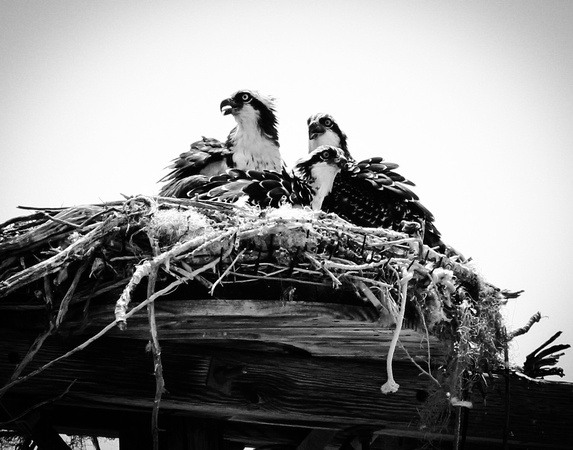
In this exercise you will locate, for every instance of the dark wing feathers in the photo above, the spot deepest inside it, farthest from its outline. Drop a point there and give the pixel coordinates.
(371, 194)
(263, 188)
(205, 158)
(274, 189)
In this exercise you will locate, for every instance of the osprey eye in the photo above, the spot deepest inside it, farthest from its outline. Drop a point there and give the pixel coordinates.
(325, 154)
(327, 123)
(246, 97)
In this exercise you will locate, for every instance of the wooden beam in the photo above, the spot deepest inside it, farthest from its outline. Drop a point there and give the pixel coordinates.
(319, 328)
(282, 389)
(45, 437)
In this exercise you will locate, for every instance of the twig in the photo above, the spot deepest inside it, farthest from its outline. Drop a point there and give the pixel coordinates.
(376, 283)
(507, 399)
(545, 344)
(52, 264)
(228, 269)
(532, 320)
(30, 355)
(145, 268)
(427, 339)
(158, 366)
(70, 293)
(39, 405)
(318, 265)
(178, 271)
(252, 278)
(420, 368)
(61, 221)
(373, 299)
(335, 265)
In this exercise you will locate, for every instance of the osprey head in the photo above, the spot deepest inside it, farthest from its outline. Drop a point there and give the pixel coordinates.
(319, 169)
(325, 156)
(323, 130)
(252, 106)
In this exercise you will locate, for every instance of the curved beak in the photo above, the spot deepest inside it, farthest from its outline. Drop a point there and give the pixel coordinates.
(315, 129)
(228, 106)
(341, 161)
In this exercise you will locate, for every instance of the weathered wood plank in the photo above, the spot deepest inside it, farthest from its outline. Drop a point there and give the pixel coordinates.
(288, 389)
(318, 328)
(278, 387)
(294, 311)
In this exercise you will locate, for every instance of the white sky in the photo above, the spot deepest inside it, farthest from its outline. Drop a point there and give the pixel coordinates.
(473, 99)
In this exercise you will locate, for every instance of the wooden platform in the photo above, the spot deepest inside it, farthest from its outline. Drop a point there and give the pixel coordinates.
(242, 372)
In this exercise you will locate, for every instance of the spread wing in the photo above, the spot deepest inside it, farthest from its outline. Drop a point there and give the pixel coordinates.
(371, 193)
(263, 188)
(205, 158)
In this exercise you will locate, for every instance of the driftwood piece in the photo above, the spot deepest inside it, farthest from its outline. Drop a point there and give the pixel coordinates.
(539, 363)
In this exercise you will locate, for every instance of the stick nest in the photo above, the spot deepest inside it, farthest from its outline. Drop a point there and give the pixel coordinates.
(104, 251)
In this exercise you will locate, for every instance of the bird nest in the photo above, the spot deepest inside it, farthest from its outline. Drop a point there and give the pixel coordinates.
(104, 252)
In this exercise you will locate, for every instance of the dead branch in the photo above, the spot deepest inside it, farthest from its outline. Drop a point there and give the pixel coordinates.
(43, 268)
(158, 366)
(37, 406)
(533, 320)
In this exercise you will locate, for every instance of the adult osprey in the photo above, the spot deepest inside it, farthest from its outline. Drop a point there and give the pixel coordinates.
(370, 193)
(252, 145)
(308, 184)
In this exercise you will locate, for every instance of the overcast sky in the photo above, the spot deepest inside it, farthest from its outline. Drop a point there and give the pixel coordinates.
(473, 99)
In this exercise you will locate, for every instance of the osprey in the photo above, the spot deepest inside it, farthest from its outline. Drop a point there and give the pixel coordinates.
(323, 130)
(310, 181)
(252, 145)
(370, 193)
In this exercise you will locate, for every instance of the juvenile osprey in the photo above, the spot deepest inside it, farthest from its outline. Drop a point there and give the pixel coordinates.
(252, 145)
(370, 193)
(323, 130)
(307, 185)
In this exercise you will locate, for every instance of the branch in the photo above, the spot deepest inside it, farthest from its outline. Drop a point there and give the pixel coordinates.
(70, 293)
(39, 405)
(420, 368)
(158, 366)
(227, 270)
(336, 282)
(52, 264)
(533, 320)
(145, 268)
